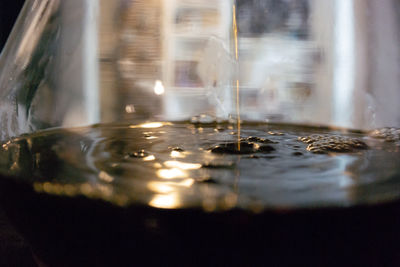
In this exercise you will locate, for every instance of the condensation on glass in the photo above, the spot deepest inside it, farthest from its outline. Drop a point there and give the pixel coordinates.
(80, 62)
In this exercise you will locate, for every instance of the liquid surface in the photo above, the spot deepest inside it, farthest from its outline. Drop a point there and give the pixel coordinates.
(184, 165)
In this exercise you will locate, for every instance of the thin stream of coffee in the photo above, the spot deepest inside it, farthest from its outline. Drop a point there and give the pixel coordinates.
(235, 33)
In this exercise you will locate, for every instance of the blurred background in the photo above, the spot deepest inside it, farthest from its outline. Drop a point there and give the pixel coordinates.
(9, 10)
(302, 61)
(299, 61)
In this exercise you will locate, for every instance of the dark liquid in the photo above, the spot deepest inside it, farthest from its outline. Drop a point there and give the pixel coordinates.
(185, 192)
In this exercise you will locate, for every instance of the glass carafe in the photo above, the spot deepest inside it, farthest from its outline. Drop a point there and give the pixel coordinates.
(143, 117)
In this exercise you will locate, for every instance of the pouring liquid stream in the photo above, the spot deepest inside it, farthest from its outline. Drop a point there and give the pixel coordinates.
(235, 35)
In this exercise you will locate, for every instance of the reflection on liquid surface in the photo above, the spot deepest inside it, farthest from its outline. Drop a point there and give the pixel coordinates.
(181, 167)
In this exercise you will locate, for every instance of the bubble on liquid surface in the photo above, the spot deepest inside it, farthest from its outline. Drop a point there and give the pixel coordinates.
(235, 148)
(389, 134)
(322, 144)
(275, 133)
(177, 149)
(256, 139)
(137, 154)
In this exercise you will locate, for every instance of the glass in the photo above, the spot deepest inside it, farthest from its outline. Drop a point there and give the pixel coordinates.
(228, 112)
(317, 62)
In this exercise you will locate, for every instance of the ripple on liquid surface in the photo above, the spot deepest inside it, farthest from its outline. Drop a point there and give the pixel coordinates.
(278, 166)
